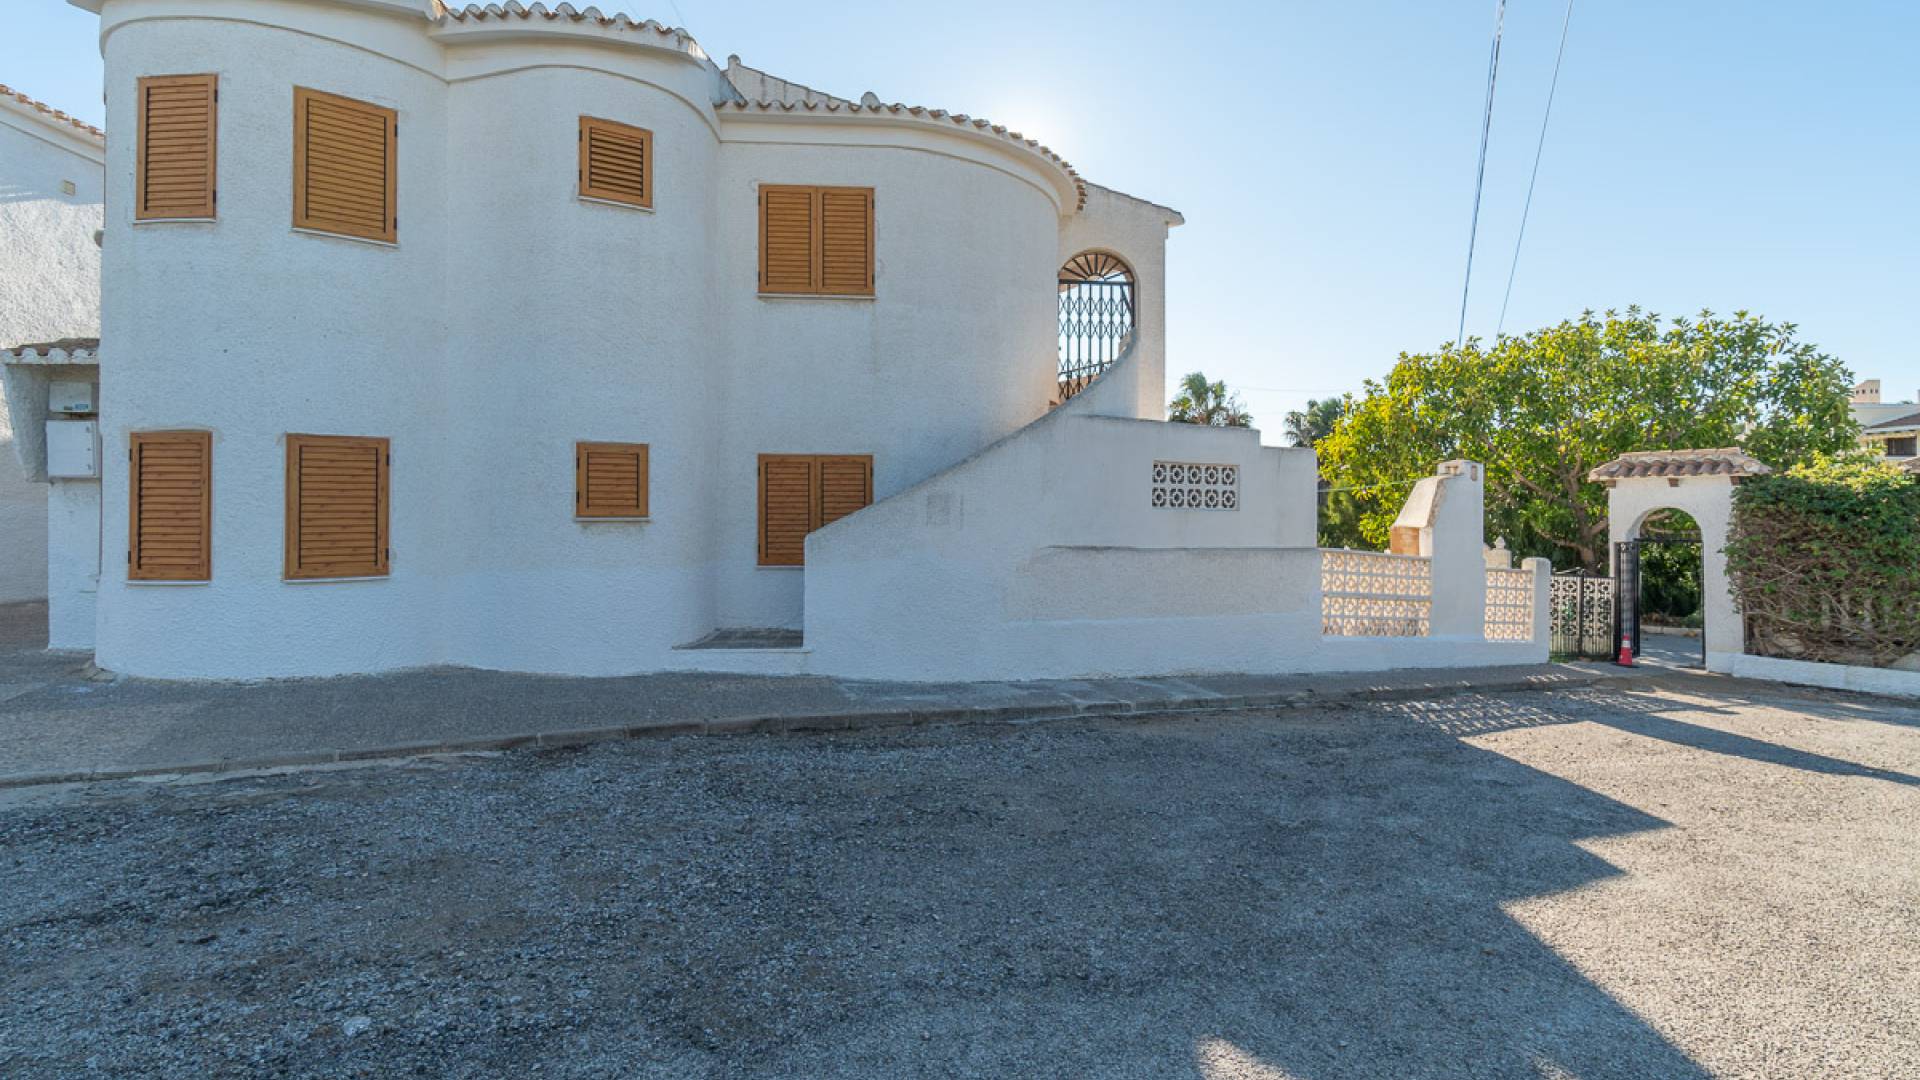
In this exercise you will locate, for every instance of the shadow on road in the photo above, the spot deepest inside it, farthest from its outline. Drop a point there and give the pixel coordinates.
(1317, 896)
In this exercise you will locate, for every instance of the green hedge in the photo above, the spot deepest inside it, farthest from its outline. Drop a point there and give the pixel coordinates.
(1825, 562)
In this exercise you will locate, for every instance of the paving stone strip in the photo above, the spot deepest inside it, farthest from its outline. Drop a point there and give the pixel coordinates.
(64, 724)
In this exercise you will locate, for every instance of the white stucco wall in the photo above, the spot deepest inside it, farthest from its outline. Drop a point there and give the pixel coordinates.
(1865, 680)
(955, 349)
(73, 567)
(49, 289)
(252, 330)
(1043, 557)
(1709, 501)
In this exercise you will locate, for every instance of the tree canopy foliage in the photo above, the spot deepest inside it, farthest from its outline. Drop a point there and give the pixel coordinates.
(1305, 427)
(1825, 561)
(1209, 403)
(1541, 410)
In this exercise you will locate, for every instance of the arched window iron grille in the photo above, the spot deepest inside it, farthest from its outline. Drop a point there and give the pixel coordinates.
(1096, 318)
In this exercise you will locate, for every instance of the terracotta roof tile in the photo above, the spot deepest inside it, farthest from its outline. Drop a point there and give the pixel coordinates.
(513, 9)
(51, 112)
(815, 101)
(872, 106)
(76, 348)
(1728, 461)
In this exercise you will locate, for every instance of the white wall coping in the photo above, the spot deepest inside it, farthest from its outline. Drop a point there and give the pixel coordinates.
(1868, 680)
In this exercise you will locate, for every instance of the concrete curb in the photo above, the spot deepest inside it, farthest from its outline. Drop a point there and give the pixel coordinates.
(782, 723)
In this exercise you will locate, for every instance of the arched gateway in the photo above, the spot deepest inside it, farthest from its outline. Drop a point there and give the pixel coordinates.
(1699, 483)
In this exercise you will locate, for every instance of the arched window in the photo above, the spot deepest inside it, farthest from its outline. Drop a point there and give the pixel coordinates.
(1096, 318)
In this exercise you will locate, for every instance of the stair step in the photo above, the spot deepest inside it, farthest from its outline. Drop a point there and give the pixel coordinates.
(750, 637)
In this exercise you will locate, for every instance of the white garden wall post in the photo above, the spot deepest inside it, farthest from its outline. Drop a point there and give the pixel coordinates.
(1443, 519)
(1542, 598)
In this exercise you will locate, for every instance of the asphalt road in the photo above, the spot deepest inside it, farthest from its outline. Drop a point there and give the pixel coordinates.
(1707, 880)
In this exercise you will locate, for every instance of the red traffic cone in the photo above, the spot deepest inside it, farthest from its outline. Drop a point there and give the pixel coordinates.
(1626, 654)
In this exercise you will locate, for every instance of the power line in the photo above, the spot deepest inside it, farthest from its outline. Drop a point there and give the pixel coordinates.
(1480, 175)
(1552, 87)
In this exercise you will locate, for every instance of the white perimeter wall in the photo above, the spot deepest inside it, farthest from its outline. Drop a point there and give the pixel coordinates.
(1044, 557)
(49, 289)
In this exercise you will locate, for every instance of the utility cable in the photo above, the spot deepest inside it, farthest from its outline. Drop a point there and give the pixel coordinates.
(1552, 87)
(1480, 175)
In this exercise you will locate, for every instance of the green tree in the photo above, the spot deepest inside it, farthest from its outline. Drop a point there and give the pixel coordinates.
(1305, 427)
(1542, 409)
(1209, 403)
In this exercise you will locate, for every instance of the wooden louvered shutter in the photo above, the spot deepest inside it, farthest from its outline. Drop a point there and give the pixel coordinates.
(610, 480)
(788, 228)
(174, 164)
(344, 166)
(801, 492)
(846, 241)
(846, 485)
(336, 506)
(170, 521)
(786, 508)
(616, 162)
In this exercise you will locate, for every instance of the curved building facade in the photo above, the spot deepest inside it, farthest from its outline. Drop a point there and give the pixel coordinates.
(534, 339)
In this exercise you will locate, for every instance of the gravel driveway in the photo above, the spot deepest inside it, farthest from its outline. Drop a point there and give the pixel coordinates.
(1699, 880)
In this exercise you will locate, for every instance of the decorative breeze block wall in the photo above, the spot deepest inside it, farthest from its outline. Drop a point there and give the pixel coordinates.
(1195, 485)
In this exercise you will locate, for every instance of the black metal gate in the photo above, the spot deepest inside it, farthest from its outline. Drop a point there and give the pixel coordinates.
(1582, 617)
(1626, 594)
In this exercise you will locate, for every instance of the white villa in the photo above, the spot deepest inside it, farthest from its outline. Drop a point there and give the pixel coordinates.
(51, 173)
(531, 338)
(1890, 429)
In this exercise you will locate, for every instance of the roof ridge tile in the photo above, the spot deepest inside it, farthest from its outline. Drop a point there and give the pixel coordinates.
(51, 112)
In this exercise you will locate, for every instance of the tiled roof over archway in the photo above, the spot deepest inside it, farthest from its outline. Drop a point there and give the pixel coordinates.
(1728, 461)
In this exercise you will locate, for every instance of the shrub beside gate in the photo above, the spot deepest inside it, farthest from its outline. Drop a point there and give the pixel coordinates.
(1824, 561)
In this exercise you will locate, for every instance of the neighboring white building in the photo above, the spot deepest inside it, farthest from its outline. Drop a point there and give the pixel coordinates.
(1888, 428)
(568, 350)
(50, 181)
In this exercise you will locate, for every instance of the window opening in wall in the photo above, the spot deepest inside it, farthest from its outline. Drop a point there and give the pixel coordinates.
(1096, 318)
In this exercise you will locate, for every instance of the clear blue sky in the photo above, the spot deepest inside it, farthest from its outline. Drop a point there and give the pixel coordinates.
(1762, 154)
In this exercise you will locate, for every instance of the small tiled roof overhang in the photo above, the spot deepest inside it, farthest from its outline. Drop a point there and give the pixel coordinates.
(51, 113)
(1729, 461)
(63, 351)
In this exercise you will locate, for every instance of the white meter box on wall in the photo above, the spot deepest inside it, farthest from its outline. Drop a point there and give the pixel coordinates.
(70, 397)
(73, 449)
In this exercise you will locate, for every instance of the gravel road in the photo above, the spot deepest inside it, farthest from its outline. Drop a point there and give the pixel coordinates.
(1703, 880)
